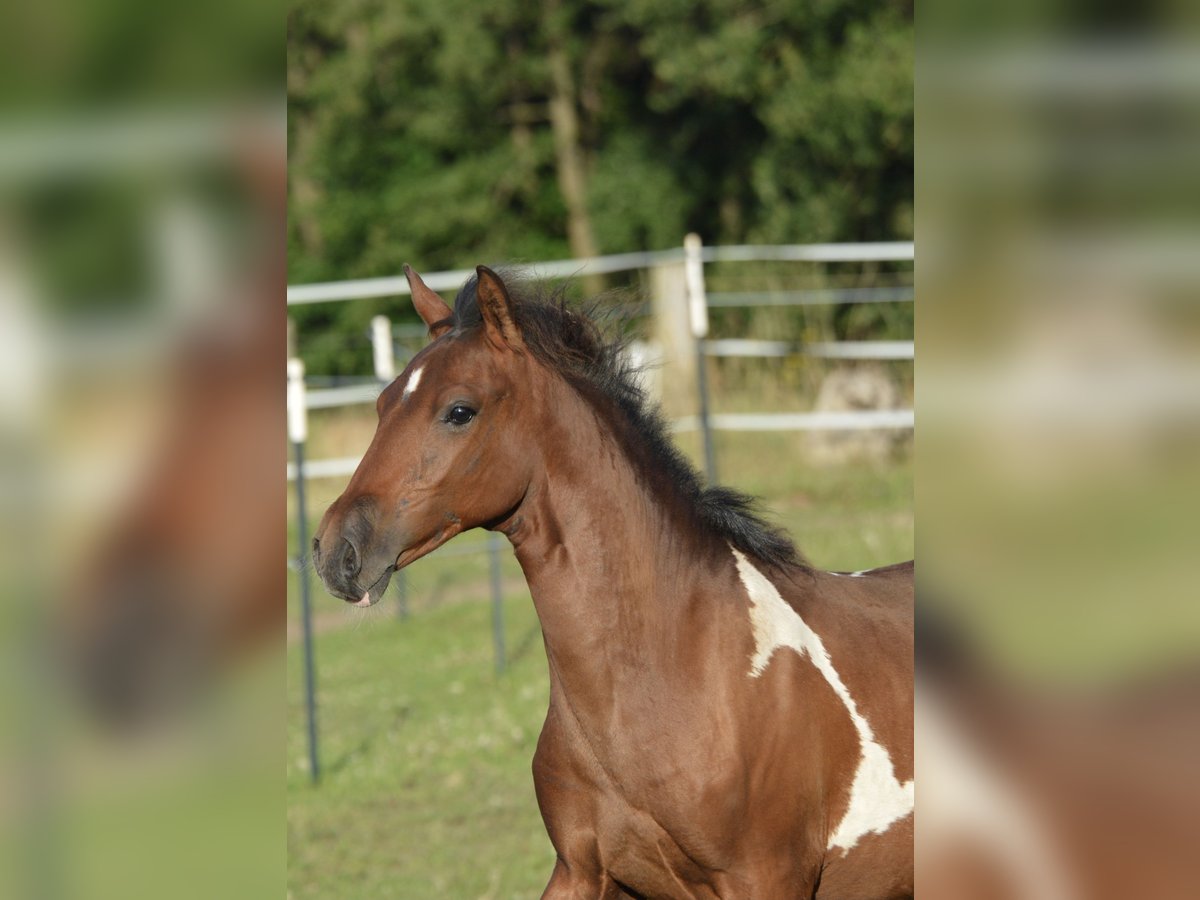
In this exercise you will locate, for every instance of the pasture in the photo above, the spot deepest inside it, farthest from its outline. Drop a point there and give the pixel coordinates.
(426, 788)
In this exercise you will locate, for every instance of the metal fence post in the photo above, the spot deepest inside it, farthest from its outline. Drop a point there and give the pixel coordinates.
(497, 601)
(698, 315)
(298, 432)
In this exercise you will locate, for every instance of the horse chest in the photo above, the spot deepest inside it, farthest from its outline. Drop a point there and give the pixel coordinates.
(632, 808)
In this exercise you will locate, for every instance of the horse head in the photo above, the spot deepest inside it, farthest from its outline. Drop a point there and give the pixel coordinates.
(449, 452)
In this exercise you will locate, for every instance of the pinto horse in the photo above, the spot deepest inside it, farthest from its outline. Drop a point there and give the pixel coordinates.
(724, 719)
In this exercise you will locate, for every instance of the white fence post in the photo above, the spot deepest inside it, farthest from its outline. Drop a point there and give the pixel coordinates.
(297, 407)
(672, 332)
(693, 271)
(384, 349)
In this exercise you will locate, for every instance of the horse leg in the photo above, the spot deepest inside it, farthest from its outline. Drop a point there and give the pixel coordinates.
(568, 800)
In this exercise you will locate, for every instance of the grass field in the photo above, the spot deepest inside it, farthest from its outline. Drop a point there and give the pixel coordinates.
(426, 788)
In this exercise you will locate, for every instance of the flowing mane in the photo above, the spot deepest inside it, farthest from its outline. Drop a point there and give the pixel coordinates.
(571, 343)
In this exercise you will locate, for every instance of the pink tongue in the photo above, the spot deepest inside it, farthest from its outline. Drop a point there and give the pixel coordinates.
(365, 601)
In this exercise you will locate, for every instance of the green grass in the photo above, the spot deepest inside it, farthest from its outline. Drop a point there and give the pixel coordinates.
(426, 789)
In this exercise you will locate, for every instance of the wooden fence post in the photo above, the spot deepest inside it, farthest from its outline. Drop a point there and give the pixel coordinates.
(673, 333)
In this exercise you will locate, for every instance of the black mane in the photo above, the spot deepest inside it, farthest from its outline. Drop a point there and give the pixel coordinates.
(571, 343)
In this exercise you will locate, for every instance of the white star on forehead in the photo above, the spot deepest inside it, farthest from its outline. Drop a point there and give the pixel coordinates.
(413, 380)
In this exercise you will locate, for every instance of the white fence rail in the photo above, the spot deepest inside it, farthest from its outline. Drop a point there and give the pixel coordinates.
(811, 297)
(858, 420)
(823, 349)
(602, 265)
(329, 398)
(326, 468)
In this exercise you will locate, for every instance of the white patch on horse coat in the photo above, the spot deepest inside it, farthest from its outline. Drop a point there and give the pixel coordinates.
(877, 798)
(413, 380)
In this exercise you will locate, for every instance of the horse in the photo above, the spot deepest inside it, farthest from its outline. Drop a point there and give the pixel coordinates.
(725, 720)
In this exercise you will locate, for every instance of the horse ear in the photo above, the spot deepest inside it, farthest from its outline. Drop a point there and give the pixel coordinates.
(430, 307)
(496, 308)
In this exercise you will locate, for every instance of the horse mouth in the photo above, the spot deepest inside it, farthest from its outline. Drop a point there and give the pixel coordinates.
(375, 592)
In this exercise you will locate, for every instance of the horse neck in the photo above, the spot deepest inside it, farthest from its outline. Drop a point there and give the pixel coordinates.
(615, 574)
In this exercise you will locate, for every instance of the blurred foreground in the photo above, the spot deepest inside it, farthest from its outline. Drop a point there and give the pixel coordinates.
(141, 331)
(1058, 723)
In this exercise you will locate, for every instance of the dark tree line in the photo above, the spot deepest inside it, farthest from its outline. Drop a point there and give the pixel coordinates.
(446, 133)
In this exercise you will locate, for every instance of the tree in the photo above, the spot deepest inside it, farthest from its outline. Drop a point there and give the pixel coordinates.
(451, 134)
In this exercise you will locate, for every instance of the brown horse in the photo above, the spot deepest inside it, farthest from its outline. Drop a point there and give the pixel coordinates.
(725, 720)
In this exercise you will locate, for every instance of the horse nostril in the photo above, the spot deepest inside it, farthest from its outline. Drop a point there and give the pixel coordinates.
(316, 549)
(350, 562)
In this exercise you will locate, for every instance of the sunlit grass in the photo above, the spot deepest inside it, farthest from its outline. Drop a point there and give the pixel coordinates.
(426, 788)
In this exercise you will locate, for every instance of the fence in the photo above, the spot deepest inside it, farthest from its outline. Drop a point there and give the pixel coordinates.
(680, 305)
(688, 307)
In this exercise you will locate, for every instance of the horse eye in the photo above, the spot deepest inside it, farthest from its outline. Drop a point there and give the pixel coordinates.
(460, 415)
